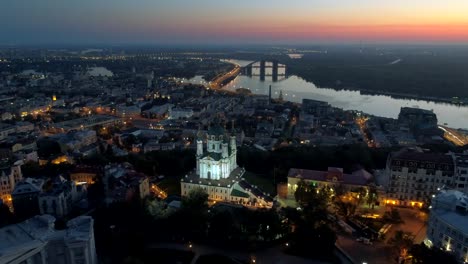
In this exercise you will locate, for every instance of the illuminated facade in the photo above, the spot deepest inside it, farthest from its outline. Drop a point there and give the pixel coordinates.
(218, 174)
(330, 178)
(9, 177)
(219, 160)
(414, 176)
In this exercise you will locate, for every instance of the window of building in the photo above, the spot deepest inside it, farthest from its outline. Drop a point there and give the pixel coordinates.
(78, 253)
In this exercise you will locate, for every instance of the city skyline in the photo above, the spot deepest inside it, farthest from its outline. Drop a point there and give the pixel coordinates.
(208, 21)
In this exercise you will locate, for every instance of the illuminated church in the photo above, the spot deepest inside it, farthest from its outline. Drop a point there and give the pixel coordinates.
(219, 159)
(218, 174)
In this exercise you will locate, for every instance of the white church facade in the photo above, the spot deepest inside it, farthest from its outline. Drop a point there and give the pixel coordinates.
(218, 174)
(219, 159)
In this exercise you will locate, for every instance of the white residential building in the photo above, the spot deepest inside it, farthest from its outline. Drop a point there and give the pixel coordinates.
(448, 223)
(36, 241)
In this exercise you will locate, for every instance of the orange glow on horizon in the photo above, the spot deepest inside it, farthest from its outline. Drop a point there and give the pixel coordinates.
(438, 32)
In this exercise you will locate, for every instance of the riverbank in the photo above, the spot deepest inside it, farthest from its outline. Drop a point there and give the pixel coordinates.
(453, 101)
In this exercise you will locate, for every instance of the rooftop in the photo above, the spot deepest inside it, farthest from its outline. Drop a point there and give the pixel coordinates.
(412, 110)
(359, 177)
(256, 191)
(238, 193)
(26, 236)
(451, 206)
(216, 130)
(415, 155)
(36, 232)
(28, 185)
(454, 219)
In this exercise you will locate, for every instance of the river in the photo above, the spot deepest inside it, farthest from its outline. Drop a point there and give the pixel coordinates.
(295, 89)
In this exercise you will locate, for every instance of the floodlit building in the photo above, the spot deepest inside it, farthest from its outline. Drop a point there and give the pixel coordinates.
(219, 160)
(36, 241)
(448, 223)
(330, 178)
(218, 174)
(414, 176)
(9, 177)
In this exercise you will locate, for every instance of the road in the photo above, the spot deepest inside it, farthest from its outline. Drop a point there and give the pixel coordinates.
(454, 136)
(362, 123)
(217, 82)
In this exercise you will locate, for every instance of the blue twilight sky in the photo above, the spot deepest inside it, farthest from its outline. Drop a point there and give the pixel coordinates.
(210, 21)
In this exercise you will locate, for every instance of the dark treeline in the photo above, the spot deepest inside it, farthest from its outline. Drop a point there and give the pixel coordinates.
(278, 162)
(429, 71)
(422, 74)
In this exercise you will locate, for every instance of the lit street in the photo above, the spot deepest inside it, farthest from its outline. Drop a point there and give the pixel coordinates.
(218, 82)
(453, 136)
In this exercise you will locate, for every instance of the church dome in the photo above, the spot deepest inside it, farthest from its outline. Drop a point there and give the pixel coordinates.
(216, 130)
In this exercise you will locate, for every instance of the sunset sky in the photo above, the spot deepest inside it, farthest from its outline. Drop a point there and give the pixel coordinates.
(239, 21)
